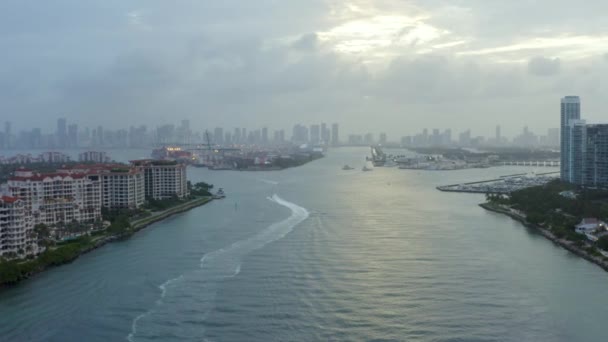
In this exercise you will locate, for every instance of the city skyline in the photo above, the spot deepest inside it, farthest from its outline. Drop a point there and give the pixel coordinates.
(71, 135)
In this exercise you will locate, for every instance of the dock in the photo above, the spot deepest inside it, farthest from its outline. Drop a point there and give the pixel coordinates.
(502, 185)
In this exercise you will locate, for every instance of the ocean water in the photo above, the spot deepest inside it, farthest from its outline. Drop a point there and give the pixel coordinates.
(316, 253)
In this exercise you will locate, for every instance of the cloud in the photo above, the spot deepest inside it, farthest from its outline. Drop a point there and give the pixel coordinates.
(307, 42)
(390, 64)
(542, 66)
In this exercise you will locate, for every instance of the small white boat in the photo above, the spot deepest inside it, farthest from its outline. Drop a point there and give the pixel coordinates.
(219, 194)
(368, 166)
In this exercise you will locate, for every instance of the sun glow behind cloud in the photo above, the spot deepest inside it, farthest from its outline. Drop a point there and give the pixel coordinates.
(379, 34)
(376, 32)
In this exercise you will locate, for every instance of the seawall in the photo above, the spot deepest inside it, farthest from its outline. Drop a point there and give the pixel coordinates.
(569, 245)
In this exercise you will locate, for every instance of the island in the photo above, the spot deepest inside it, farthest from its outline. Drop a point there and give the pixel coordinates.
(51, 217)
(563, 213)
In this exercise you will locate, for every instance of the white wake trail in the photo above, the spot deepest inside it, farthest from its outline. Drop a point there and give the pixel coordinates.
(220, 265)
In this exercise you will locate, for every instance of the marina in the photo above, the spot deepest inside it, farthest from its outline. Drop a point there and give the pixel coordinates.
(503, 184)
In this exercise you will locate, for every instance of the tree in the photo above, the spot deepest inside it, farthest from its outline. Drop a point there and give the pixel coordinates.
(602, 243)
(42, 230)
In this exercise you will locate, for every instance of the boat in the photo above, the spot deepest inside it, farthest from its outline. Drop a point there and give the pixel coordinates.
(219, 194)
(365, 168)
(378, 157)
(369, 166)
(348, 167)
(220, 167)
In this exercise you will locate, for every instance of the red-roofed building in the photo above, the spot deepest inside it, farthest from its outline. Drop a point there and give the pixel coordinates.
(16, 238)
(122, 186)
(56, 198)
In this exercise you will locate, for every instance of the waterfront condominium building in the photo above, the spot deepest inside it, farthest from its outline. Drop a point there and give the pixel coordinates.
(123, 188)
(596, 156)
(575, 155)
(163, 179)
(58, 198)
(570, 110)
(16, 237)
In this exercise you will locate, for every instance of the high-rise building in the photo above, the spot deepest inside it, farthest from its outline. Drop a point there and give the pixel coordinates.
(62, 134)
(382, 139)
(335, 134)
(265, 135)
(123, 187)
(72, 137)
(464, 139)
(596, 156)
(7, 135)
(58, 198)
(236, 137)
(577, 138)
(218, 135)
(228, 138)
(570, 110)
(300, 134)
(315, 134)
(324, 133)
(447, 137)
(498, 136)
(15, 225)
(163, 179)
(406, 141)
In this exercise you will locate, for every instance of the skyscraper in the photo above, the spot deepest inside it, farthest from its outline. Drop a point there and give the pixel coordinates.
(570, 110)
(382, 139)
(335, 135)
(72, 136)
(218, 136)
(575, 155)
(324, 133)
(7, 134)
(265, 135)
(596, 156)
(498, 135)
(315, 134)
(61, 134)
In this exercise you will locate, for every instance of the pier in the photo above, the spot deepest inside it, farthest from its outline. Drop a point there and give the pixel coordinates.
(538, 163)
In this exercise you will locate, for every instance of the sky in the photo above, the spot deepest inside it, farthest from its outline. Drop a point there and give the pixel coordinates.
(393, 66)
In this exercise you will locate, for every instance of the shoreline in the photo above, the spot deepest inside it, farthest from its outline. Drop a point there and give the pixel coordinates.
(136, 226)
(566, 244)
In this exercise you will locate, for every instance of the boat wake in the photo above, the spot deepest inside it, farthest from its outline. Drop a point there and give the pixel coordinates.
(186, 301)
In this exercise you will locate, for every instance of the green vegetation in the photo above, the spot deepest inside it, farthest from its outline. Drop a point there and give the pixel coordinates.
(58, 253)
(14, 271)
(544, 206)
(164, 204)
(200, 189)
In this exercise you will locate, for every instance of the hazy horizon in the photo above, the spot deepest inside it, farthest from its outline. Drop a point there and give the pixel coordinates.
(372, 66)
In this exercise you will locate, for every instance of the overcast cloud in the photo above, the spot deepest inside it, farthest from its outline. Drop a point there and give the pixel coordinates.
(385, 65)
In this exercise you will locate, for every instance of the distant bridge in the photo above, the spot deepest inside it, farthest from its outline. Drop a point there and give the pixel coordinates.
(538, 163)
